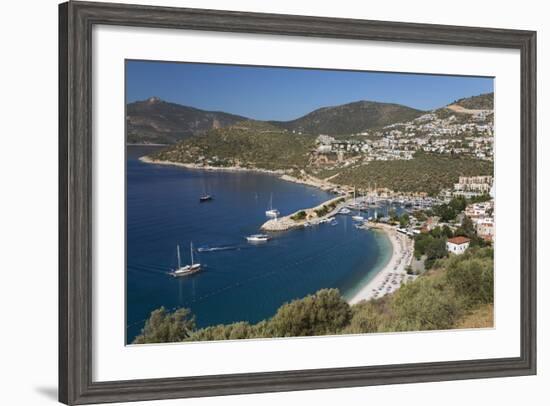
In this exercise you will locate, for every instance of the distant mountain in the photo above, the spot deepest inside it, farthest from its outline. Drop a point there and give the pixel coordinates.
(157, 121)
(481, 102)
(247, 144)
(351, 118)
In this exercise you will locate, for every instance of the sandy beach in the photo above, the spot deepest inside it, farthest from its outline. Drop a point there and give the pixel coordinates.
(390, 278)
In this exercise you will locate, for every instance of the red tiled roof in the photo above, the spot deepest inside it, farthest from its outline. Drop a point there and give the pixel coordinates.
(459, 240)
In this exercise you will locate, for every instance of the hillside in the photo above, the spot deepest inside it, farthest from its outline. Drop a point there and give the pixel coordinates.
(247, 144)
(157, 121)
(481, 102)
(350, 118)
(428, 173)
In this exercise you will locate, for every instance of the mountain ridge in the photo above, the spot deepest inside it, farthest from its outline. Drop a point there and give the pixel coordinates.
(353, 117)
(157, 121)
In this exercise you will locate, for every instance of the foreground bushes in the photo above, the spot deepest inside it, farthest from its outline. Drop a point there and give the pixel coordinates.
(443, 299)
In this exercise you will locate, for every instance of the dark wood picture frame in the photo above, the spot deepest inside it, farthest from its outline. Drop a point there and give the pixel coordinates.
(76, 20)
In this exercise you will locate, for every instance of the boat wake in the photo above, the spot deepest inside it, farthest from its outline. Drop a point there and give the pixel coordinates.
(221, 248)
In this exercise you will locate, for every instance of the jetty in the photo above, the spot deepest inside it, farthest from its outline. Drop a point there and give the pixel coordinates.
(303, 217)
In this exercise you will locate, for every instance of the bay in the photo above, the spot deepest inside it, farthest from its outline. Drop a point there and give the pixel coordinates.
(240, 281)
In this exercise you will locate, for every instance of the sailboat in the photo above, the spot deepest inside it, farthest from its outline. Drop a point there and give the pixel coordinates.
(205, 197)
(187, 269)
(273, 213)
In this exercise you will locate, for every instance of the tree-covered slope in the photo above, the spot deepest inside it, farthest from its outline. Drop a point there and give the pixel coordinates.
(481, 102)
(350, 118)
(426, 172)
(248, 144)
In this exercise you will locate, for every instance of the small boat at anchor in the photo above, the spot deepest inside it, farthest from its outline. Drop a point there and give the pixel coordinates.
(345, 210)
(272, 213)
(187, 269)
(205, 197)
(258, 238)
(358, 218)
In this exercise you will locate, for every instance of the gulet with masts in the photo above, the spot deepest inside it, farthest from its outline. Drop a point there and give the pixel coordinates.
(187, 269)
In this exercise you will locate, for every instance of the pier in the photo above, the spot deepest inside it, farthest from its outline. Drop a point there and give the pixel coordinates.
(306, 216)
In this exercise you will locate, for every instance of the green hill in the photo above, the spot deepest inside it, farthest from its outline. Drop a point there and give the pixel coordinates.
(350, 118)
(157, 121)
(248, 144)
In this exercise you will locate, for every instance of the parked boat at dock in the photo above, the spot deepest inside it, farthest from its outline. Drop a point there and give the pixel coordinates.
(272, 213)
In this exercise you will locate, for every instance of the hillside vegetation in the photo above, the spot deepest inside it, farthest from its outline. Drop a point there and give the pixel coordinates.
(248, 144)
(424, 173)
(456, 293)
(481, 102)
(350, 118)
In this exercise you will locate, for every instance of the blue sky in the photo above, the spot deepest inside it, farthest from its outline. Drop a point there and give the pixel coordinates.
(286, 93)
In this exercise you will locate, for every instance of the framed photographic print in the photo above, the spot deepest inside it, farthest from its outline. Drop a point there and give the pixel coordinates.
(257, 202)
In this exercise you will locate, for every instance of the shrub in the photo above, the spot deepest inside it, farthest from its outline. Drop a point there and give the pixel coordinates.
(164, 327)
(325, 312)
(472, 278)
(299, 216)
(426, 304)
(366, 317)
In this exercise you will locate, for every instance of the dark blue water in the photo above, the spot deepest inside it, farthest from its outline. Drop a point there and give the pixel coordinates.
(243, 281)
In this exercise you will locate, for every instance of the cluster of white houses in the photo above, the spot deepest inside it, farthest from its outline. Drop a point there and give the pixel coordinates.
(427, 133)
(481, 215)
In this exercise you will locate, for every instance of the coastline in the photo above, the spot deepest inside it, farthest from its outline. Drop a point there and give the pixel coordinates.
(393, 271)
(284, 175)
(377, 286)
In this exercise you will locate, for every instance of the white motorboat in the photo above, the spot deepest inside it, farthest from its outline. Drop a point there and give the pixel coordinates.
(258, 238)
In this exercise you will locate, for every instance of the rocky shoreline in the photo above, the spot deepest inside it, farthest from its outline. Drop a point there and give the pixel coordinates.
(284, 175)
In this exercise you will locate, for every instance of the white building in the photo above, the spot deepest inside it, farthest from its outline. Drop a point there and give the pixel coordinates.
(457, 245)
(485, 228)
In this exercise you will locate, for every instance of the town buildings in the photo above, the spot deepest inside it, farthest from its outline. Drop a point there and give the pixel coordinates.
(429, 133)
